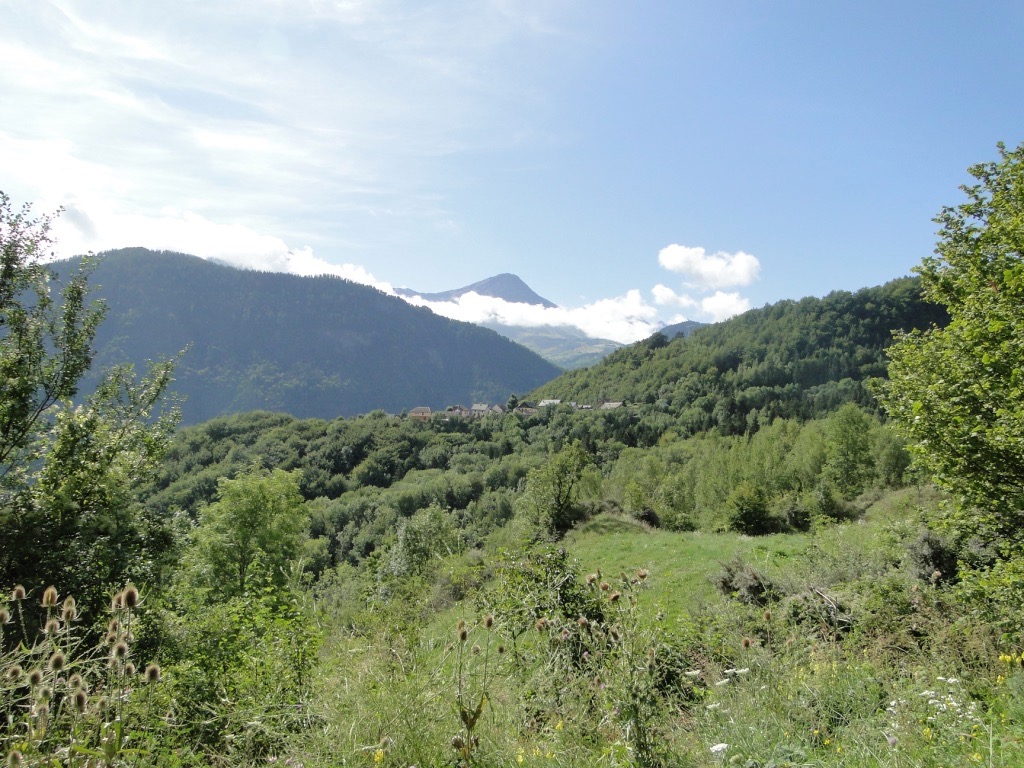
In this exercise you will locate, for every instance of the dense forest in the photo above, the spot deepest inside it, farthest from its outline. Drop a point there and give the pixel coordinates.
(317, 347)
(793, 541)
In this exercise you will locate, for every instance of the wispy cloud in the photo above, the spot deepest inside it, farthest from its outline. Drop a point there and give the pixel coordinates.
(311, 120)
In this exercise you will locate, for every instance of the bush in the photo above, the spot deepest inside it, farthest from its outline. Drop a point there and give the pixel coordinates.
(749, 513)
(745, 583)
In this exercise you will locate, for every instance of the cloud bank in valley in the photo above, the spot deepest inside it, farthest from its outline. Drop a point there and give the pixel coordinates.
(624, 319)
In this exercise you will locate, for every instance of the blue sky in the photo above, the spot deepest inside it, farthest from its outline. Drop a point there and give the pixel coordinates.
(634, 163)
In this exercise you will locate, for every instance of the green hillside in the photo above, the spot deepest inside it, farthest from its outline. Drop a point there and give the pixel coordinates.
(790, 359)
(307, 346)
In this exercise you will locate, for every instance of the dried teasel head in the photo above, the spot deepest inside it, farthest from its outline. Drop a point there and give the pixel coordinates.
(81, 699)
(50, 597)
(57, 660)
(152, 673)
(130, 596)
(489, 620)
(52, 627)
(18, 593)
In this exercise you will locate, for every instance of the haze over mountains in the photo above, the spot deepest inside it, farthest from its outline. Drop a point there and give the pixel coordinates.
(563, 345)
(309, 346)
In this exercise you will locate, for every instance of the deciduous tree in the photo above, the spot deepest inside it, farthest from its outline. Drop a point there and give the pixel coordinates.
(69, 465)
(958, 392)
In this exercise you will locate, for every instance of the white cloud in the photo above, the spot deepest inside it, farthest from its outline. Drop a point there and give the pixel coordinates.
(710, 270)
(624, 319)
(721, 306)
(665, 296)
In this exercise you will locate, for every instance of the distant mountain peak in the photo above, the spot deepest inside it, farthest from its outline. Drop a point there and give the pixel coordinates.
(506, 286)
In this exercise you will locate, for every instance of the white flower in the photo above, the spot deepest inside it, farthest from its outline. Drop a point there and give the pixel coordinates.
(718, 749)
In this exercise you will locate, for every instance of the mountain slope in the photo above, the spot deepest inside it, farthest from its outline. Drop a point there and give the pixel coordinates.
(312, 347)
(790, 359)
(564, 345)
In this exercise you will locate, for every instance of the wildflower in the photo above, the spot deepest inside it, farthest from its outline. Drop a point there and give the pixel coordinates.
(614, 596)
(605, 586)
(56, 662)
(591, 578)
(49, 597)
(76, 681)
(378, 757)
(582, 621)
(35, 677)
(120, 650)
(14, 673)
(541, 624)
(692, 673)
(152, 673)
(718, 749)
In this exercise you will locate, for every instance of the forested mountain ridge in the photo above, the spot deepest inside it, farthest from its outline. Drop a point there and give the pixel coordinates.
(792, 359)
(311, 347)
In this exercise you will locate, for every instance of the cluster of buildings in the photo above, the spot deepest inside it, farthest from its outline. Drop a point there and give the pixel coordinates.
(479, 410)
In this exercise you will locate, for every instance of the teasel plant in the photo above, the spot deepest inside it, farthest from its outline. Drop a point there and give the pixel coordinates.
(63, 701)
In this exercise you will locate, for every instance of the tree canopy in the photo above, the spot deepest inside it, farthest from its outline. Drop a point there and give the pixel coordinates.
(69, 466)
(958, 391)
